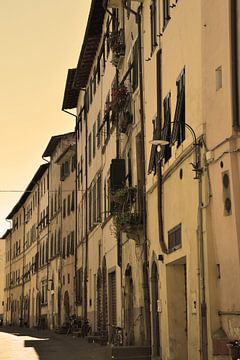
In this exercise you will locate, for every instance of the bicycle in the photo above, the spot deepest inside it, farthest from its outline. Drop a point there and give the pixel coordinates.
(117, 335)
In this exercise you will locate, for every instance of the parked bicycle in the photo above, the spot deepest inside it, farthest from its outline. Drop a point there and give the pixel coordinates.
(117, 335)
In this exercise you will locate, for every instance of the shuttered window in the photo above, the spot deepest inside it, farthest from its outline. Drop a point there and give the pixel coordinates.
(94, 140)
(153, 19)
(135, 66)
(113, 298)
(175, 238)
(152, 165)
(166, 131)
(99, 197)
(166, 12)
(178, 132)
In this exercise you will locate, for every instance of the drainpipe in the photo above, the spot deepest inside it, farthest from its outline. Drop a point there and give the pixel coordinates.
(76, 209)
(203, 308)
(138, 19)
(86, 224)
(48, 224)
(159, 164)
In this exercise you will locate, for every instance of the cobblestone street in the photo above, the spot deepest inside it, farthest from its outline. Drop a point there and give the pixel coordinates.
(28, 344)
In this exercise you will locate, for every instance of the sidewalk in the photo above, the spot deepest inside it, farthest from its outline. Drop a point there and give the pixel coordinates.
(31, 344)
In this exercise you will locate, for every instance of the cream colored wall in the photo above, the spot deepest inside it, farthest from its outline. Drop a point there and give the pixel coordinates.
(180, 197)
(224, 230)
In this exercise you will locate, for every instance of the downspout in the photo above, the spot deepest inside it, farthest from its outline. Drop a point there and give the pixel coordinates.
(138, 19)
(86, 223)
(203, 308)
(76, 210)
(48, 226)
(159, 164)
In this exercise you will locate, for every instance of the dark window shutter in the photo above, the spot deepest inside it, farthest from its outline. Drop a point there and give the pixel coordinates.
(117, 174)
(178, 131)
(166, 131)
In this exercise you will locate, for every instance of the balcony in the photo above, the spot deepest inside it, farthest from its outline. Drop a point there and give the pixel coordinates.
(116, 42)
(121, 104)
(126, 211)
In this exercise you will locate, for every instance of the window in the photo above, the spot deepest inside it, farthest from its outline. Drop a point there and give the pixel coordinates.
(68, 244)
(90, 208)
(69, 204)
(178, 131)
(91, 91)
(135, 66)
(64, 170)
(59, 240)
(99, 197)
(44, 292)
(105, 198)
(72, 202)
(64, 248)
(73, 163)
(89, 148)
(129, 169)
(166, 131)
(94, 140)
(94, 213)
(175, 238)
(64, 208)
(72, 243)
(94, 80)
(166, 12)
(51, 247)
(153, 16)
(98, 130)
(152, 165)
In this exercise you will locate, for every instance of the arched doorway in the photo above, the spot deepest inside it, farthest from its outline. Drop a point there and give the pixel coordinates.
(155, 313)
(129, 308)
(104, 298)
(99, 300)
(66, 306)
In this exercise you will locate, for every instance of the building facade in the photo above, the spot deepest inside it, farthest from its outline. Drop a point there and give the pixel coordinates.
(133, 223)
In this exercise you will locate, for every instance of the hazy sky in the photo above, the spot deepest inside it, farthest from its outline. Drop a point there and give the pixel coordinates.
(40, 40)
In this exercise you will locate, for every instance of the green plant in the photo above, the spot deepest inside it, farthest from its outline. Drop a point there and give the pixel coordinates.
(124, 215)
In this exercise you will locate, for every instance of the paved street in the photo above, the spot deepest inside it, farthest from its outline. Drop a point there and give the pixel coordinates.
(28, 344)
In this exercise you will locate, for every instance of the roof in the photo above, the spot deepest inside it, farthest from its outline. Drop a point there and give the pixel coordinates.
(71, 94)
(90, 44)
(53, 143)
(41, 170)
(5, 235)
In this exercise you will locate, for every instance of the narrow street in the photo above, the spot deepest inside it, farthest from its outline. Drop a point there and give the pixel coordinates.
(22, 344)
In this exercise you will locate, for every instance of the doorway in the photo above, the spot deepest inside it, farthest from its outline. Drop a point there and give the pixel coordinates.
(66, 306)
(177, 309)
(129, 307)
(155, 312)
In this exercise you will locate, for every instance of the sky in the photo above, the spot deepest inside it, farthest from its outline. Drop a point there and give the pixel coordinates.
(39, 42)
